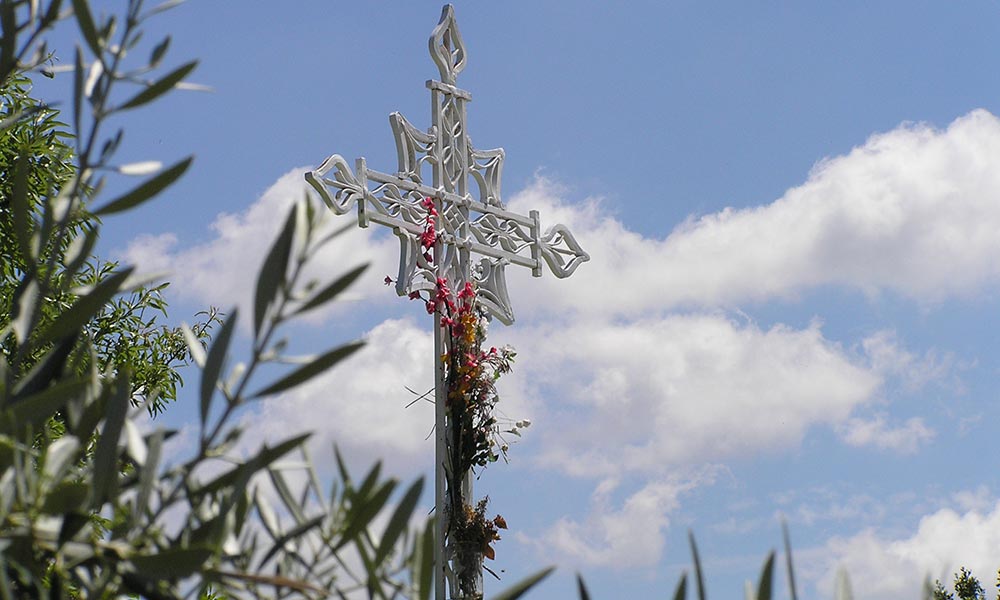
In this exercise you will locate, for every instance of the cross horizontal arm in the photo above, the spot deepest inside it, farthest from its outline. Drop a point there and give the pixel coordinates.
(496, 233)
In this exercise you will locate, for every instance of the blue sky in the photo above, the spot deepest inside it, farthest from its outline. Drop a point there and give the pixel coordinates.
(792, 212)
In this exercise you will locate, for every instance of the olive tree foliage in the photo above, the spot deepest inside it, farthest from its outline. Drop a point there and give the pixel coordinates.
(37, 158)
(95, 510)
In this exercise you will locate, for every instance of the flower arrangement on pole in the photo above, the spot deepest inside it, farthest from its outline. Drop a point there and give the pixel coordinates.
(475, 437)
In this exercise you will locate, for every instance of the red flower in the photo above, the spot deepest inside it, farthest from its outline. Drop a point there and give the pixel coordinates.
(388, 280)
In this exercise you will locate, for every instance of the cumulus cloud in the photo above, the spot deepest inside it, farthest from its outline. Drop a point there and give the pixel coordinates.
(904, 439)
(652, 394)
(630, 536)
(223, 269)
(895, 567)
(912, 211)
(361, 406)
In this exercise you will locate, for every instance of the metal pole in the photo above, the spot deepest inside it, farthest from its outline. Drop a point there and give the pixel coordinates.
(440, 520)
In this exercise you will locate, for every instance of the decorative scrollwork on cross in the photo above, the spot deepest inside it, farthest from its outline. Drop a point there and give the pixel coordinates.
(466, 182)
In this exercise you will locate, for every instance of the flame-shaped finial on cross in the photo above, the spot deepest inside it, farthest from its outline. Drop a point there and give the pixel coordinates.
(446, 46)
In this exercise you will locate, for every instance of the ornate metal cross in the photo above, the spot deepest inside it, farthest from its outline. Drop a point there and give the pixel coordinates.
(476, 236)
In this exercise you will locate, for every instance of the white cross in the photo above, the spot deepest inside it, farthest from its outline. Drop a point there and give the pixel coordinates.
(468, 225)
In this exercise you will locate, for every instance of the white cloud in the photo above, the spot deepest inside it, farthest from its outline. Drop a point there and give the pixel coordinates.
(360, 405)
(905, 439)
(651, 394)
(223, 270)
(888, 356)
(912, 211)
(631, 536)
(895, 568)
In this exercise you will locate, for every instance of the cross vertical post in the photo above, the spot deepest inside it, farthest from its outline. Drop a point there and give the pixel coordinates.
(467, 225)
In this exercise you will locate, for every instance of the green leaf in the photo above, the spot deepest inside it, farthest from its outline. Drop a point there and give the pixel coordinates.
(262, 460)
(78, 79)
(361, 513)
(40, 407)
(842, 586)
(172, 563)
(400, 519)
(66, 497)
(214, 361)
(331, 291)
(59, 455)
(788, 560)
(680, 593)
(147, 475)
(293, 533)
(145, 190)
(158, 51)
(272, 272)
(699, 578)
(26, 302)
(73, 319)
(308, 371)
(158, 88)
(23, 225)
(86, 22)
(105, 469)
(519, 588)
(285, 493)
(424, 559)
(582, 588)
(766, 575)
(78, 251)
(39, 380)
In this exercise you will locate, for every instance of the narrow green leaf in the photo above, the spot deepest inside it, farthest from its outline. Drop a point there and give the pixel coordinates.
(399, 521)
(86, 22)
(23, 224)
(135, 445)
(59, 455)
(158, 51)
(78, 251)
(145, 190)
(521, 587)
(842, 587)
(105, 469)
(267, 514)
(285, 493)
(42, 406)
(331, 291)
(162, 7)
(360, 516)
(699, 578)
(368, 483)
(76, 317)
(193, 345)
(291, 534)
(27, 303)
(680, 593)
(425, 576)
(78, 79)
(345, 475)
(66, 497)
(307, 372)
(766, 576)
(158, 88)
(272, 272)
(214, 363)
(788, 560)
(172, 563)
(262, 460)
(147, 475)
(45, 372)
(582, 588)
